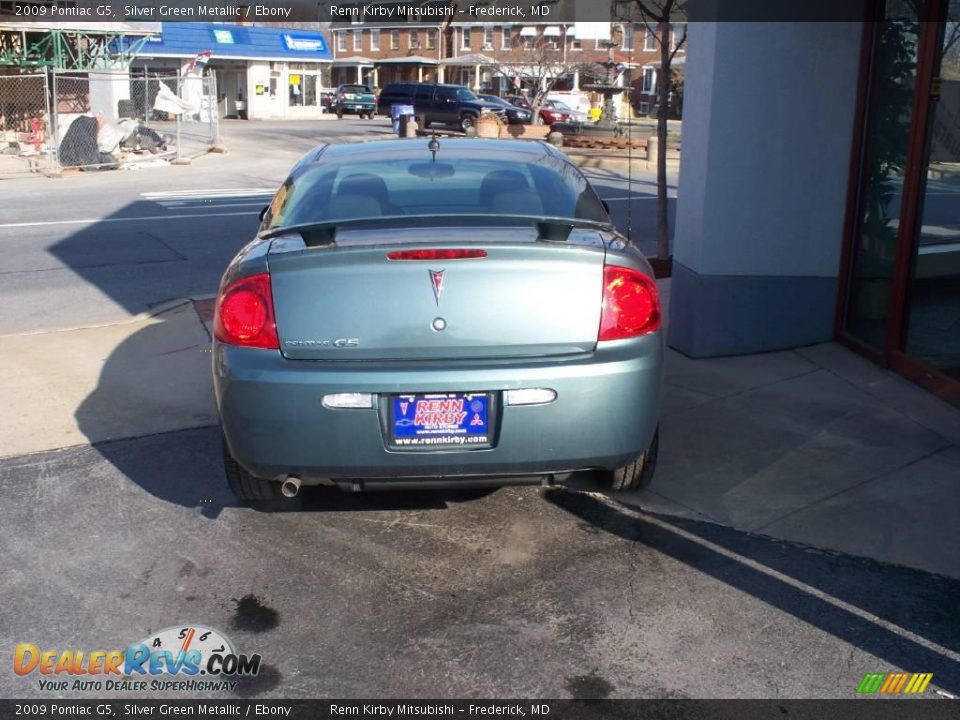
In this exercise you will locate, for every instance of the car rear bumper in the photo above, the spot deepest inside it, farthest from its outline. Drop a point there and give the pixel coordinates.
(604, 415)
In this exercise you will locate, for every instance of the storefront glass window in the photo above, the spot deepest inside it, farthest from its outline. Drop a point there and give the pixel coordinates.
(892, 85)
(933, 300)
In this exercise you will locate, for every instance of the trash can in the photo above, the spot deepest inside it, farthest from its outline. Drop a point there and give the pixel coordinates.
(399, 115)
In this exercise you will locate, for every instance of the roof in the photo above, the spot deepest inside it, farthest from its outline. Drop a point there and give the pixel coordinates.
(349, 61)
(418, 59)
(186, 39)
(469, 59)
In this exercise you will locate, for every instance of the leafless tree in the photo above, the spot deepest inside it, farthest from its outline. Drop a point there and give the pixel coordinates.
(658, 16)
(540, 61)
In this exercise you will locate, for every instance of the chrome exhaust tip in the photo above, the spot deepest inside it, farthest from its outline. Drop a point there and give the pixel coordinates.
(290, 487)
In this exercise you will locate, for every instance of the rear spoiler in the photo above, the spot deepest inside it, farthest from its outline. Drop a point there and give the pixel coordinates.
(325, 233)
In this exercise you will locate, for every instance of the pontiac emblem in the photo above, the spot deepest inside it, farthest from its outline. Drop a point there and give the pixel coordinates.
(436, 278)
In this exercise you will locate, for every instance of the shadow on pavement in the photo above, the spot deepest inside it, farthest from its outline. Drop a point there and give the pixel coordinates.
(919, 602)
(148, 392)
(152, 251)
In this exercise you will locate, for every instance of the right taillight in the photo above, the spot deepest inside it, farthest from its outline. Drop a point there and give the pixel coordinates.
(631, 305)
(244, 314)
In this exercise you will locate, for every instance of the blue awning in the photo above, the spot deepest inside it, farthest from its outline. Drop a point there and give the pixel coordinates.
(236, 42)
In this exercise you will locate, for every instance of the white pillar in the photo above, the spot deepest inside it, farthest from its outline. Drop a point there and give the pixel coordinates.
(442, 74)
(476, 76)
(576, 80)
(359, 75)
(419, 73)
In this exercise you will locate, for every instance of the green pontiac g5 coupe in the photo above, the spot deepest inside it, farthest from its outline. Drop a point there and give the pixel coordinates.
(429, 312)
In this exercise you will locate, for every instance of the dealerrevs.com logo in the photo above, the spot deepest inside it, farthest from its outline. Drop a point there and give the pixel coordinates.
(188, 658)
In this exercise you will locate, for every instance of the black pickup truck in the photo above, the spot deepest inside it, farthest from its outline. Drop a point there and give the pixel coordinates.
(442, 104)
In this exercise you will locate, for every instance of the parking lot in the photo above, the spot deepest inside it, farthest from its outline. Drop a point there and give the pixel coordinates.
(754, 566)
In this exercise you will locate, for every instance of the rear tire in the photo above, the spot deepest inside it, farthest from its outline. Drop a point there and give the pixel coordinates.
(638, 474)
(246, 487)
(422, 122)
(467, 121)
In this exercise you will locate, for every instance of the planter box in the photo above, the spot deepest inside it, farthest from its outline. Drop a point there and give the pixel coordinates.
(526, 132)
(488, 129)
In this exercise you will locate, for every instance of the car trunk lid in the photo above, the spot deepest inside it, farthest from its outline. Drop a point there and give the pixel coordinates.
(525, 298)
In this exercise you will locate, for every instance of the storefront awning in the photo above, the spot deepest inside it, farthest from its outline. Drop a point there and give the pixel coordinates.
(552, 31)
(528, 31)
(236, 42)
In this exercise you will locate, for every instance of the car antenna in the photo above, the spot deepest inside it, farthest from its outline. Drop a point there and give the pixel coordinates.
(433, 145)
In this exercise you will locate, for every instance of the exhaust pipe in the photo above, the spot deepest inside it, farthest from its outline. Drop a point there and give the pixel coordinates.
(290, 487)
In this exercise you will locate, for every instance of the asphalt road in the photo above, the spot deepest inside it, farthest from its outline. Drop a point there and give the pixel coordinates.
(539, 592)
(546, 593)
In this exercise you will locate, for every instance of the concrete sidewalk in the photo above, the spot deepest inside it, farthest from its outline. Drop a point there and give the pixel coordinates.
(816, 445)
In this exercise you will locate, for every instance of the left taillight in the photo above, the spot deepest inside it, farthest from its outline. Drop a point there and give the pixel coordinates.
(244, 314)
(631, 304)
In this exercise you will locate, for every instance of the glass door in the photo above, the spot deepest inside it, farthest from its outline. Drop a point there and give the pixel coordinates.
(892, 85)
(900, 299)
(932, 312)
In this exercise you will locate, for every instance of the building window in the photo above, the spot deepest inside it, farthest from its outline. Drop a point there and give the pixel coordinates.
(394, 39)
(431, 39)
(650, 40)
(374, 39)
(414, 40)
(342, 41)
(465, 34)
(488, 38)
(678, 33)
(649, 80)
(576, 44)
(358, 39)
(505, 43)
(627, 37)
(303, 89)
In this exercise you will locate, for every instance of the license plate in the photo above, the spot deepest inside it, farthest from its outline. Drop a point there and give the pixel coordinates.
(442, 420)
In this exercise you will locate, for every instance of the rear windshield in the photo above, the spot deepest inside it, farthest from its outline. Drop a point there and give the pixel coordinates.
(355, 88)
(355, 188)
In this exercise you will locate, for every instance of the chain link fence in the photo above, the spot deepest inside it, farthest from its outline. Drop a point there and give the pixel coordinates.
(25, 143)
(103, 120)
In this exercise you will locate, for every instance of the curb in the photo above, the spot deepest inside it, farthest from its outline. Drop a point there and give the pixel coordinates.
(615, 162)
(158, 309)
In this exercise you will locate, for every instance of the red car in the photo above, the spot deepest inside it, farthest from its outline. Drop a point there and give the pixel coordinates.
(549, 114)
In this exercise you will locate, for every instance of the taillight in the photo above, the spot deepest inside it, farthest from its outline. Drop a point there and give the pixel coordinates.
(631, 304)
(438, 254)
(244, 314)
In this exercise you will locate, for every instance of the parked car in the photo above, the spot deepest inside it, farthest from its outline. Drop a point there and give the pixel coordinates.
(436, 103)
(357, 99)
(328, 98)
(563, 112)
(515, 115)
(549, 112)
(518, 100)
(482, 322)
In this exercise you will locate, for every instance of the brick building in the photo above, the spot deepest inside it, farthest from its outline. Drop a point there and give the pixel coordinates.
(482, 56)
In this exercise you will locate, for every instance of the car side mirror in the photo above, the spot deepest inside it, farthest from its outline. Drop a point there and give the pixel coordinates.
(263, 212)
